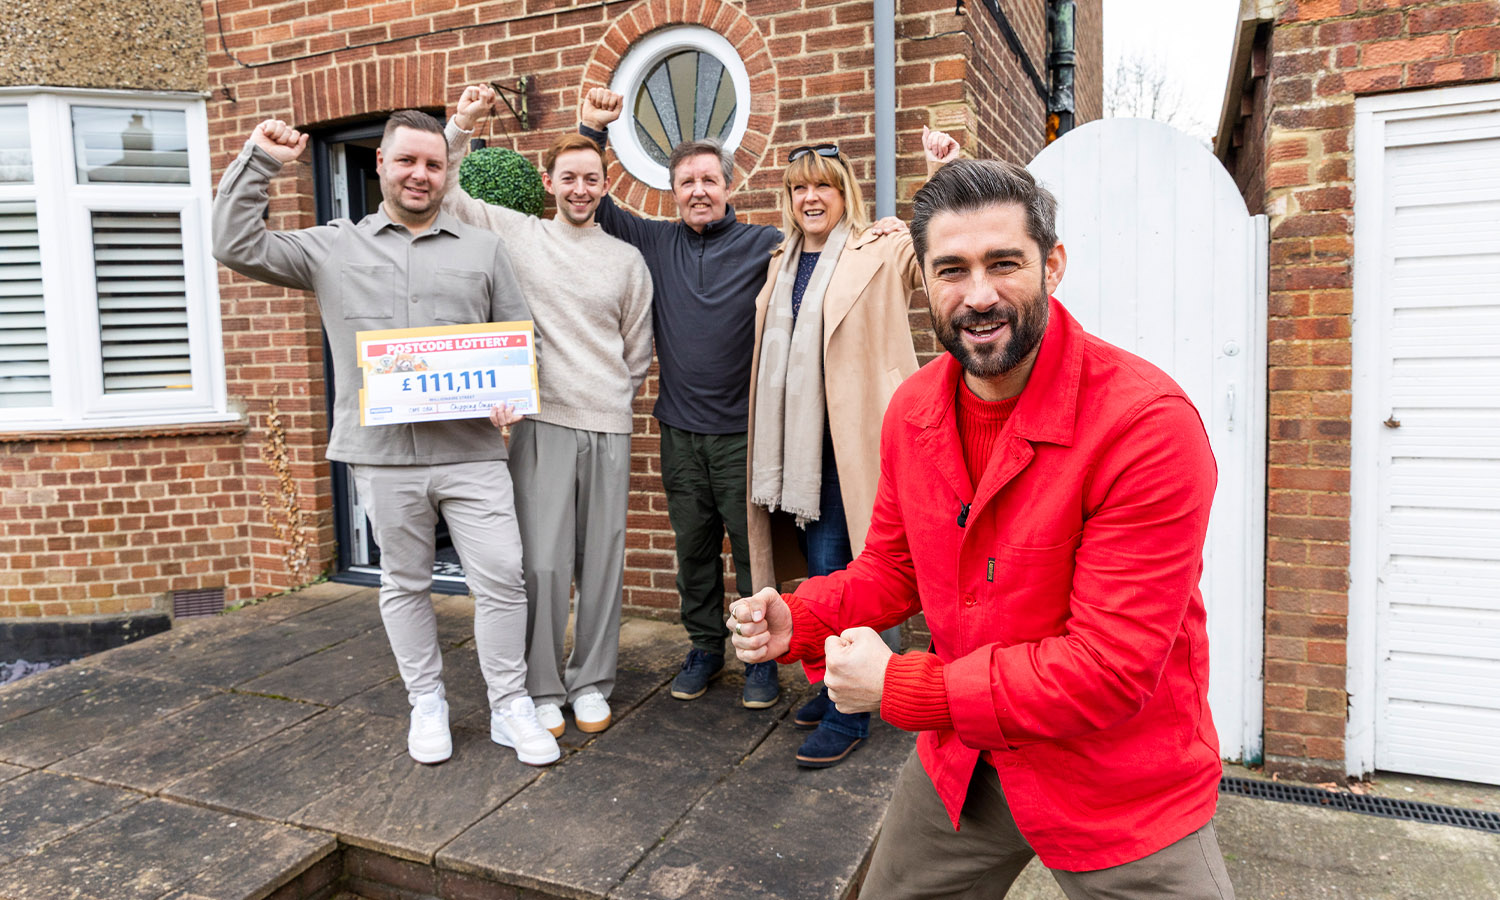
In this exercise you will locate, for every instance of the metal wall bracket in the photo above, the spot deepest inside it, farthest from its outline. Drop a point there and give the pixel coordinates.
(521, 92)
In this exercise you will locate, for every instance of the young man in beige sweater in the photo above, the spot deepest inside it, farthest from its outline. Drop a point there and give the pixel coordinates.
(590, 297)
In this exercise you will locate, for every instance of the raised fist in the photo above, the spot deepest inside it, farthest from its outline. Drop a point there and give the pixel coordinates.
(600, 107)
(279, 139)
(474, 106)
(939, 147)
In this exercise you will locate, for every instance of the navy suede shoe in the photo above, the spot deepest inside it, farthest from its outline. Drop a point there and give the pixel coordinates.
(825, 747)
(761, 686)
(697, 670)
(809, 714)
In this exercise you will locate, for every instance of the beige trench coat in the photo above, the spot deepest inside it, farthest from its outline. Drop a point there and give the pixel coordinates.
(867, 353)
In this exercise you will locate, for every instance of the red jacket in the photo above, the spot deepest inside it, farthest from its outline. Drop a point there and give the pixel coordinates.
(1065, 612)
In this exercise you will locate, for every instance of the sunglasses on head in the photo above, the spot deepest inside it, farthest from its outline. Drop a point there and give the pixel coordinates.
(829, 150)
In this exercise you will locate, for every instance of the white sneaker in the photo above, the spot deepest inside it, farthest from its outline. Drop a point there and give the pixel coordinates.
(517, 727)
(591, 712)
(428, 740)
(550, 717)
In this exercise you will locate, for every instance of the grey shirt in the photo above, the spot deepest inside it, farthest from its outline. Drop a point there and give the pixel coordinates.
(373, 275)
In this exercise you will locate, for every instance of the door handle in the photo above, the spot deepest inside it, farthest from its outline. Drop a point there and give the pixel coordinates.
(1230, 423)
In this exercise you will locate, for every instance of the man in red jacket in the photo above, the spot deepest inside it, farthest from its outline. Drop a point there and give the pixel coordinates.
(1043, 500)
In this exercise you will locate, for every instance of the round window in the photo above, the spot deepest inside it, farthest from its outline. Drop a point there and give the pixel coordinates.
(679, 84)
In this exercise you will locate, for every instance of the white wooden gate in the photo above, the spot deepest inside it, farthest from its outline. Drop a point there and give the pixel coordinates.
(1164, 261)
(1424, 599)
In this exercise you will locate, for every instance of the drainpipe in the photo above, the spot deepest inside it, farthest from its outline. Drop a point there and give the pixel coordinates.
(885, 108)
(1060, 64)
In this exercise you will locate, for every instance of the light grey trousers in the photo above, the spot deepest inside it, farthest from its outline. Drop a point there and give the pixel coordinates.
(475, 498)
(572, 490)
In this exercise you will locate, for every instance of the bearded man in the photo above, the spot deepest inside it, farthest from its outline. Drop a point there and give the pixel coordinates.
(1043, 499)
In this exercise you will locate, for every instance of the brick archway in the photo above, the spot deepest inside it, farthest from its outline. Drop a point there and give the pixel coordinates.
(349, 90)
(740, 31)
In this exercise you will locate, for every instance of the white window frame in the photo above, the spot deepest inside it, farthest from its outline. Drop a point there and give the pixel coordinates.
(69, 289)
(639, 60)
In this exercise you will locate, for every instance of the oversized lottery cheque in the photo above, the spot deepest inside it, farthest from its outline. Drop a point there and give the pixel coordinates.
(447, 372)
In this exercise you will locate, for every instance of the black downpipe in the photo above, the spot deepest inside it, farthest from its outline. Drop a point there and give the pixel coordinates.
(1061, 63)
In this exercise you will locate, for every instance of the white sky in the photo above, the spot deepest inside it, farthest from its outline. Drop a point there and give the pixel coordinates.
(1190, 39)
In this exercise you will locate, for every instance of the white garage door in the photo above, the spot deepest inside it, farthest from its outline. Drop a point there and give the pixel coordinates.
(1425, 541)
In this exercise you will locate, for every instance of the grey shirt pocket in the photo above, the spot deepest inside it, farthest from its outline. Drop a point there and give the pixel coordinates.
(461, 296)
(367, 291)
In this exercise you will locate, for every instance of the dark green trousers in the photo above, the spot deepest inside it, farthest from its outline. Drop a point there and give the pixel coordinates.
(704, 477)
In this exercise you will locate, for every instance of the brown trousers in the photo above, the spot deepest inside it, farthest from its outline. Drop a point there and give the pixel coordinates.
(920, 855)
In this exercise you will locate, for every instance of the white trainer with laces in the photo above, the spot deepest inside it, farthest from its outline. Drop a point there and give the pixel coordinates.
(428, 740)
(517, 727)
(591, 712)
(551, 718)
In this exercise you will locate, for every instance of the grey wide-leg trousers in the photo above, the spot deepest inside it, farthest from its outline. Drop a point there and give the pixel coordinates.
(572, 490)
(475, 498)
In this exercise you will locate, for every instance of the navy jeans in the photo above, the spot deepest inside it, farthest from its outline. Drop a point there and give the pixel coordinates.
(825, 543)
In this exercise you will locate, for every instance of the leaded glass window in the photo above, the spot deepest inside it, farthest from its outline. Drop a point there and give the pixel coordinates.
(688, 96)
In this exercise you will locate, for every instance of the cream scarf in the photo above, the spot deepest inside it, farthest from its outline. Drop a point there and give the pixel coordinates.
(787, 472)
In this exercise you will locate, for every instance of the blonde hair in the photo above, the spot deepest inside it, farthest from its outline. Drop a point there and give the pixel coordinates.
(814, 169)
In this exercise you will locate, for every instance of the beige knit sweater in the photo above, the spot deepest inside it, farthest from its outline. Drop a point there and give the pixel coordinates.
(590, 297)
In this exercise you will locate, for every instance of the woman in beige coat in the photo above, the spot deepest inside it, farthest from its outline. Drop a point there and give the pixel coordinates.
(832, 344)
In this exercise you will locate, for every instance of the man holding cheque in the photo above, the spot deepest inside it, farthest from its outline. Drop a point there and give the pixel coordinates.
(408, 265)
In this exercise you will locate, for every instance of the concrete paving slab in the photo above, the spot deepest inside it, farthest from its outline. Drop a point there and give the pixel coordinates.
(455, 619)
(652, 646)
(870, 771)
(48, 688)
(580, 827)
(761, 845)
(157, 846)
(119, 705)
(462, 682)
(7, 772)
(404, 809)
(230, 659)
(274, 609)
(332, 675)
(359, 609)
(159, 650)
(712, 730)
(148, 759)
(285, 773)
(1284, 849)
(41, 807)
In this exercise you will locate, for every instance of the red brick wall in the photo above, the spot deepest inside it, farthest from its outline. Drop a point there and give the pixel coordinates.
(1088, 76)
(1324, 53)
(110, 525)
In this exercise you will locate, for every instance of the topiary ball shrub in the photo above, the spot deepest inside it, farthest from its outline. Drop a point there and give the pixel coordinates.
(503, 177)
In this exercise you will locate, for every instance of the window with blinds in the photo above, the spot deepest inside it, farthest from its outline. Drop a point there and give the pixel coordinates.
(109, 311)
(143, 303)
(112, 145)
(24, 371)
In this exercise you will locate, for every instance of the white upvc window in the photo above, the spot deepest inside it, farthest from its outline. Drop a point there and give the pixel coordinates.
(109, 305)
